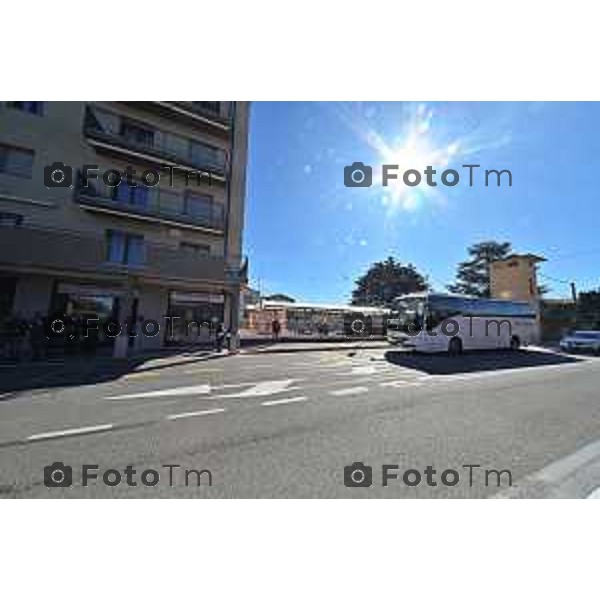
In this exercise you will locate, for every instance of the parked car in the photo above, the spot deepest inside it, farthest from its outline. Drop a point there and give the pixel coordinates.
(581, 341)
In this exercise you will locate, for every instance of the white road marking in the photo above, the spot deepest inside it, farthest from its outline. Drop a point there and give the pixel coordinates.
(264, 388)
(180, 391)
(400, 383)
(364, 370)
(67, 432)
(198, 413)
(595, 495)
(558, 474)
(349, 391)
(284, 401)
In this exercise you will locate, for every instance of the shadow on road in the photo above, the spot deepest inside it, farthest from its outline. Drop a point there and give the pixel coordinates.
(82, 371)
(472, 362)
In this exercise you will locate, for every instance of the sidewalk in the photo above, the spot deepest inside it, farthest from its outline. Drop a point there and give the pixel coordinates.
(171, 357)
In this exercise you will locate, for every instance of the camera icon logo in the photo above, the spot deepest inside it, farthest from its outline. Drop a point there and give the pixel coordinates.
(358, 475)
(358, 175)
(357, 325)
(58, 175)
(59, 326)
(58, 475)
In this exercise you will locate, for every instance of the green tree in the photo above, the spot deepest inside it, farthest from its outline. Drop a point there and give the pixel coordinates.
(588, 310)
(386, 280)
(473, 275)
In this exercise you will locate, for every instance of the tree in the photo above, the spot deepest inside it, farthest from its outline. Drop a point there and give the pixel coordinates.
(386, 280)
(473, 275)
(588, 310)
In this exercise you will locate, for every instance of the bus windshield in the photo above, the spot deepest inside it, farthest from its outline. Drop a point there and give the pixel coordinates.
(409, 313)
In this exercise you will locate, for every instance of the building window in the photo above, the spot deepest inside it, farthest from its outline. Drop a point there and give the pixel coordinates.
(10, 219)
(199, 206)
(35, 108)
(195, 250)
(125, 248)
(137, 134)
(16, 161)
(207, 157)
(134, 195)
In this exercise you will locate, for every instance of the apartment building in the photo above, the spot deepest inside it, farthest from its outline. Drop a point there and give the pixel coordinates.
(141, 250)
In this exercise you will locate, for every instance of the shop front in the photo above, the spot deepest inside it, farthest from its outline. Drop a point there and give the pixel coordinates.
(193, 317)
(90, 313)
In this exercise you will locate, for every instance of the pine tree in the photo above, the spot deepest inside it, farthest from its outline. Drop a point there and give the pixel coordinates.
(386, 280)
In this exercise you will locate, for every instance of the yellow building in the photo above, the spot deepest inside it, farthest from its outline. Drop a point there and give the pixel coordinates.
(515, 278)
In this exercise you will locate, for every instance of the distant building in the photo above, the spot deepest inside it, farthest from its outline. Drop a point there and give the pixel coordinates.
(306, 320)
(515, 278)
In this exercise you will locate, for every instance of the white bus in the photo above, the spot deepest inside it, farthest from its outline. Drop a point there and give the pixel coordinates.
(430, 322)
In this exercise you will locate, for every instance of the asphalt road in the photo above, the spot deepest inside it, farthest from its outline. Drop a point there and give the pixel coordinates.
(271, 426)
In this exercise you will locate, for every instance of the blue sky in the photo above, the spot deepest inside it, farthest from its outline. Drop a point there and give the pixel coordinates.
(309, 236)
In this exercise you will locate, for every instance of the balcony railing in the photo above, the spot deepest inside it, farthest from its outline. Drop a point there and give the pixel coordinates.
(31, 248)
(152, 209)
(218, 111)
(116, 130)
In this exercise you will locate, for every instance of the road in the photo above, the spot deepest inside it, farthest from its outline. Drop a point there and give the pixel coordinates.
(286, 425)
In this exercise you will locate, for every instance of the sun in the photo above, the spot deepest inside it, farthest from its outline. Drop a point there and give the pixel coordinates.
(424, 139)
(417, 148)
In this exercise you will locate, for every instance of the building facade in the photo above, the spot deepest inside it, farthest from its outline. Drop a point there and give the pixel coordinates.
(73, 241)
(300, 320)
(515, 278)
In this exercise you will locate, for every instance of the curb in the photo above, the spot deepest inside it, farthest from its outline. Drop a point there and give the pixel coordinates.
(274, 349)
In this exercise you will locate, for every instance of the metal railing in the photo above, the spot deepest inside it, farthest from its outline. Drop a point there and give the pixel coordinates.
(153, 207)
(106, 127)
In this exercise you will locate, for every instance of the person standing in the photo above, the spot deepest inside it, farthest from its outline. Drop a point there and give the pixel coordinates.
(38, 337)
(219, 337)
(275, 329)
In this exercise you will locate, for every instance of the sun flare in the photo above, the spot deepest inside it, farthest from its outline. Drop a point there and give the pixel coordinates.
(424, 139)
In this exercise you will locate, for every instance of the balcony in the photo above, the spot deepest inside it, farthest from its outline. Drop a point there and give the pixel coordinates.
(114, 132)
(29, 249)
(153, 210)
(215, 117)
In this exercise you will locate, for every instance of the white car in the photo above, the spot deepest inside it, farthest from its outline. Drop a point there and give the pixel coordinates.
(581, 340)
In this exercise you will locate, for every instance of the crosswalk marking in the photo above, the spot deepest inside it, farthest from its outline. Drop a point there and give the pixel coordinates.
(284, 401)
(264, 388)
(349, 391)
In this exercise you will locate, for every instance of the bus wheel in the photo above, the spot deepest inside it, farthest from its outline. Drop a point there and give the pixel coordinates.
(515, 342)
(455, 347)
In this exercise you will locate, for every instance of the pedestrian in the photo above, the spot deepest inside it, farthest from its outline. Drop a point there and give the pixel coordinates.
(38, 337)
(219, 337)
(275, 329)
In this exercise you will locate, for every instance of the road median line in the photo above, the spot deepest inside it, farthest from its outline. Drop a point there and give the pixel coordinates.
(69, 432)
(198, 413)
(284, 401)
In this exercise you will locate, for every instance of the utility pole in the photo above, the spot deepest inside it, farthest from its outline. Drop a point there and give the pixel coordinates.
(574, 292)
